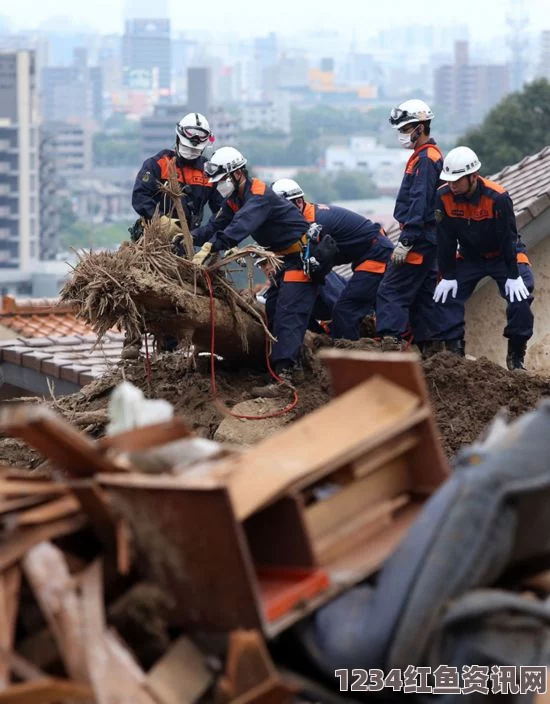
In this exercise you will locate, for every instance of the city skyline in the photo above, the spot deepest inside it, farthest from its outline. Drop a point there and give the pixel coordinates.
(350, 17)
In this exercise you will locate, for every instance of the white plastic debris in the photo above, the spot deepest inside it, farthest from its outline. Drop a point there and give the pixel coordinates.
(128, 408)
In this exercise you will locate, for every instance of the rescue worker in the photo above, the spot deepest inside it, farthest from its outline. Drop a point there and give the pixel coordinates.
(193, 135)
(477, 215)
(361, 243)
(321, 315)
(251, 208)
(405, 297)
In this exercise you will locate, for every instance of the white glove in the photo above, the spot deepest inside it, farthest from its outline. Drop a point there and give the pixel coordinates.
(399, 254)
(516, 287)
(202, 254)
(443, 288)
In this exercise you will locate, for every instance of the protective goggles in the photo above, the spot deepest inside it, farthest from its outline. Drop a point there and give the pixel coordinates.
(213, 170)
(401, 117)
(196, 135)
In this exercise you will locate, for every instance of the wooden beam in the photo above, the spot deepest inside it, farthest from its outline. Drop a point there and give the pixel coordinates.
(10, 584)
(45, 691)
(52, 511)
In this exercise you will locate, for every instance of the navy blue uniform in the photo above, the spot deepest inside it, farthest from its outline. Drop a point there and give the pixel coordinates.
(280, 227)
(483, 230)
(363, 244)
(405, 297)
(198, 191)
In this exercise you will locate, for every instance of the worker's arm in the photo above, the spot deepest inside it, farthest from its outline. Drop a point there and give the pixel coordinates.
(505, 222)
(246, 221)
(218, 222)
(215, 200)
(424, 185)
(146, 186)
(446, 241)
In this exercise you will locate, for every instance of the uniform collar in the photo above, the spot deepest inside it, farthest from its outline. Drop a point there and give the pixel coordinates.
(475, 197)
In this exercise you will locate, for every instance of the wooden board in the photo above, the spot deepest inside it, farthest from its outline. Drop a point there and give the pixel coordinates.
(94, 502)
(14, 487)
(10, 583)
(324, 517)
(180, 676)
(197, 551)
(388, 451)
(321, 442)
(348, 368)
(45, 691)
(53, 510)
(56, 439)
(147, 436)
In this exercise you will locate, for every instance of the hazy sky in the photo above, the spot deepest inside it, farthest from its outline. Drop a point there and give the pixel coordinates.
(250, 17)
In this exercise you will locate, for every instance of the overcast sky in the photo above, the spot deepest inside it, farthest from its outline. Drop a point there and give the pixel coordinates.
(253, 17)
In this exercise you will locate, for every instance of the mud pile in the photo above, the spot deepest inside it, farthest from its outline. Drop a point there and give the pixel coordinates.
(465, 394)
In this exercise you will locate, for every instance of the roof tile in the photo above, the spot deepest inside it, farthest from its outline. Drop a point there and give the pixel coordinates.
(34, 359)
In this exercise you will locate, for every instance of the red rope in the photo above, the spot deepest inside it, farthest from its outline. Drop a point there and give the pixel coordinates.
(274, 414)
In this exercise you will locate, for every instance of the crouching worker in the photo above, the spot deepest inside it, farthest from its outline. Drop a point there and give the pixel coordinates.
(477, 216)
(251, 208)
(361, 243)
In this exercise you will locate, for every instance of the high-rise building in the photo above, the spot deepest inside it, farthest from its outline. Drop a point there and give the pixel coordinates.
(19, 161)
(69, 148)
(146, 53)
(73, 93)
(470, 90)
(544, 60)
(199, 88)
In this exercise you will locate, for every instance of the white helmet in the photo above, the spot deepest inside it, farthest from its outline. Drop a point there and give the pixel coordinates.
(410, 111)
(459, 162)
(192, 135)
(224, 161)
(287, 188)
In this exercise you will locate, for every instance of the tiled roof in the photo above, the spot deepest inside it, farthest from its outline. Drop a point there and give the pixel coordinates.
(41, 317)
(70, 358)
(528, 184)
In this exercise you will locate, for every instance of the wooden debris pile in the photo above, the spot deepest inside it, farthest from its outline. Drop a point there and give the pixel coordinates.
(241, 544)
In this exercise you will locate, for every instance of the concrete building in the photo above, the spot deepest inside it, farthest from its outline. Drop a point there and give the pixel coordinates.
(72, 93)
(199, 88)
(470, 90)
(146, 51)
(270, 115)
(19, 161)
(71, 147)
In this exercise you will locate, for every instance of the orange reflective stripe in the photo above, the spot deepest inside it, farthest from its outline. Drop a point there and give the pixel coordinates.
(522, 258)
(296, 276)
(188, 175)
(371, 266)
(309, 212)
(414, 258)
(258, 187)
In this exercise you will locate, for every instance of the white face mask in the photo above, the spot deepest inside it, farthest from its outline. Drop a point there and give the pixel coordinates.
(405, 140)
(226, 187)
(190, 153)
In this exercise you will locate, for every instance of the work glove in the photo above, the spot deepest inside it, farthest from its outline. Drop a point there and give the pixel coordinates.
(443, 288)
(241, 261)
(177, 245)
(203, 253)
(169, 226)
(516, 288)
(399, 254)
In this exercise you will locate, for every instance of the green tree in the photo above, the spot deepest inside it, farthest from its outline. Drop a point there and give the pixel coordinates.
(354, 185)
(518, 126)
(316, 186)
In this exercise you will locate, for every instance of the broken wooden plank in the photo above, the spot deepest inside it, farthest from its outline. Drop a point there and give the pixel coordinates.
(95, 504)
(55, 591)
(10, 584)
(180, 676)
(124, 562)
(147, 436)
(14, 487)
(23, 668)
(113, 673)
(52, 511)
(56, 439)
(25, 538)
(392, 448)
(16, 504)
(45, 691)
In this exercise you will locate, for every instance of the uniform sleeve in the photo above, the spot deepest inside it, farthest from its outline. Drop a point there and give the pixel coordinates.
(507, 232)
(215, 200)
(447, 242)
(421, 195)
(219, 220)
(146, 186)
(246, 222)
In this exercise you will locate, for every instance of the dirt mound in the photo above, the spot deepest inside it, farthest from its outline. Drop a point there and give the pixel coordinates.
(467, 394)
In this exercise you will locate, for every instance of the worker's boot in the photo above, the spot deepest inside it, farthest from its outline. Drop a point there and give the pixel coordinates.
(431, 347)
(131, 347)
(457, 347)
(392, 344)
(515, 358)
(289, 376)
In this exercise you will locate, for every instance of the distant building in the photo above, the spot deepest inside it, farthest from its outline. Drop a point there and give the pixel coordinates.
(146, 52)
(199, 88)
(544, 61)
(19, 161)
(365, 154)
(271, 116)
(470, 90)
(71, 148)
(72, 93)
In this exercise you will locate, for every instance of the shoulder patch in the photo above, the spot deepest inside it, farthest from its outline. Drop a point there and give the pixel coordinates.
(146, 177)
(439, 215)
(258, 187)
